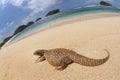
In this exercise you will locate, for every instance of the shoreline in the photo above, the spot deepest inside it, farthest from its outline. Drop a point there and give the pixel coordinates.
(80, 18)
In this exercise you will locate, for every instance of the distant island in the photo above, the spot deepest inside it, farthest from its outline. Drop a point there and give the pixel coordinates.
(19, 29)
(38, 19)
(22, 27)
(52, 12)
(5, 40)
(103, 3)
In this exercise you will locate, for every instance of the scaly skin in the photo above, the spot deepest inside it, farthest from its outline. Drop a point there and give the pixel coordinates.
(61, 57)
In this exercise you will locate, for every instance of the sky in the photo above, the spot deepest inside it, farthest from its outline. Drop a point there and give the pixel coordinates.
(14, 13)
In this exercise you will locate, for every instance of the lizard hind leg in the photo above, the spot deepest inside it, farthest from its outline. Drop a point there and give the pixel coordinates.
(62, 66)
(64, 63)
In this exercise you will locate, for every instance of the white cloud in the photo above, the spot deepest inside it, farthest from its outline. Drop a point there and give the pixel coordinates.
(94, 1)
(9, 24)
(37, 6)
(12, 2)
(4, 2)
(17, 2)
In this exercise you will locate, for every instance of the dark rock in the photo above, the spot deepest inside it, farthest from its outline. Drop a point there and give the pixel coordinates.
(103, 3)
(19, 29)
(29, 23)
(5, 40)
(52, 12)
(22, 27)
(38, 19)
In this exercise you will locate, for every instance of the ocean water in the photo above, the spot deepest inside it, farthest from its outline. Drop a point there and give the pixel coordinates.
(66, 15)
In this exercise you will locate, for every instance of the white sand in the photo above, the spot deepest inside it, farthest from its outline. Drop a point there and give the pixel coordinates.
(88, 37)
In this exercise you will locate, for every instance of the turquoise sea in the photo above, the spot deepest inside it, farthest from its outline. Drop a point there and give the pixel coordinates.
(69, 14)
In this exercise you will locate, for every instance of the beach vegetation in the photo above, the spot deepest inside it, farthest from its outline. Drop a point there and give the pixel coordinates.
(38, 19)
(103, 3)
(22, 27)
(5, 40)
(52, 12)
(19, 29)
(29, 23)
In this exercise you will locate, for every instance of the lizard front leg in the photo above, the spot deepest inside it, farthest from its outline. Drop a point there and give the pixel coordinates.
(39, 59)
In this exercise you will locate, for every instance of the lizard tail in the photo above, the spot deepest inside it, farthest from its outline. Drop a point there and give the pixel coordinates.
(86, 61)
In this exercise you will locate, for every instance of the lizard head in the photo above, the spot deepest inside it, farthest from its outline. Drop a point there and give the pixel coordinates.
(40, 52)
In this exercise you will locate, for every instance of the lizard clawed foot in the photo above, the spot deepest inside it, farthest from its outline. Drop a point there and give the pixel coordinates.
(62, 67)
(59, 68)
(40, 59)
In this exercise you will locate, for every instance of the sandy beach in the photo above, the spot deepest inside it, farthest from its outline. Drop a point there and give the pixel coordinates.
(87, 37)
